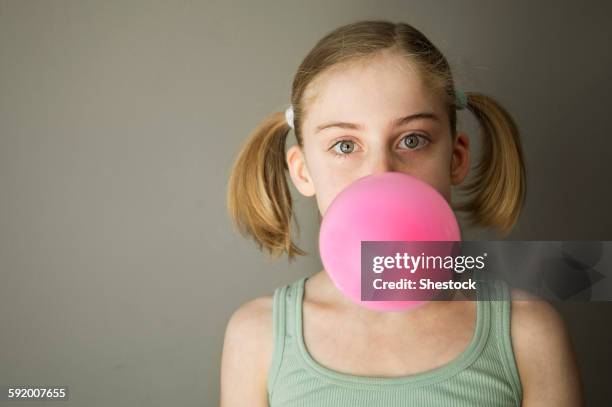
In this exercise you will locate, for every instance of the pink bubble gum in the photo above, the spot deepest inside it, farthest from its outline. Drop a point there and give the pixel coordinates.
(389, 206)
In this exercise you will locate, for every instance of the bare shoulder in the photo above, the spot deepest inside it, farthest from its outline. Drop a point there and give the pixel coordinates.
(254, 317)
(543, 352)
(538, 330)
(249, 329)
(247, 353)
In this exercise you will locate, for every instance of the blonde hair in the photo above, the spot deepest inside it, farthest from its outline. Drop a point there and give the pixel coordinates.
(258, 197)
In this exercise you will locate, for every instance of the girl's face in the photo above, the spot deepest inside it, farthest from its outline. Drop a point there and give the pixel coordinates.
(362, 119)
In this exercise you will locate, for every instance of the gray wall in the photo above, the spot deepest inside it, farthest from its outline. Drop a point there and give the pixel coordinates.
(119, 121)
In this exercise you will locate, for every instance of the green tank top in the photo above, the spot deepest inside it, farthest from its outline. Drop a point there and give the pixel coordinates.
(484, 374)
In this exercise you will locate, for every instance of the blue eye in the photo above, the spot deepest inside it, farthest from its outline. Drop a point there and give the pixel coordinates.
(414, 141)
(345, 147)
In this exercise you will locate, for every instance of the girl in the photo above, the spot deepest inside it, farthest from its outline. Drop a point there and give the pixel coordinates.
(376, 96)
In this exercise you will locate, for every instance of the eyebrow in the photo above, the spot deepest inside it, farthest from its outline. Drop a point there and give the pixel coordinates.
(398, 122)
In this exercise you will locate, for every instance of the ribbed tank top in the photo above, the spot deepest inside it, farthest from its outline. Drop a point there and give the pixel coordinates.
(484, 374)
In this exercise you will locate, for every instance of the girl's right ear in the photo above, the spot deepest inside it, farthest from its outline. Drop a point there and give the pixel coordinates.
(298, 171)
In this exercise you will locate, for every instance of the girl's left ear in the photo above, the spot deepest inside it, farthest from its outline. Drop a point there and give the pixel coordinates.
(460, 162)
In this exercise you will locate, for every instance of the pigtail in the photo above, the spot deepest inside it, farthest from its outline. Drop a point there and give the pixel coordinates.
(258, 197)
(497, 192)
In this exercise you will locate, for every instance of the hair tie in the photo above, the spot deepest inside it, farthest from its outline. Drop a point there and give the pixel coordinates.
(461, 100)
(289, 116)
(460, 103)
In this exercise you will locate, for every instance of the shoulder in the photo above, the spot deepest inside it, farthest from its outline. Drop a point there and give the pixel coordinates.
(543, 352)
(247, 353)
(252, 313)
(534, 316)
(250, 326)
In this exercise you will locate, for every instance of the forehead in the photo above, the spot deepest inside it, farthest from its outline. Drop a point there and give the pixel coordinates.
(381, 88)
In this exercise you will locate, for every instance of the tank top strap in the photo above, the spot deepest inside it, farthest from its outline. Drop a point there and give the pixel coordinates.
(283, 320)
(500, 300)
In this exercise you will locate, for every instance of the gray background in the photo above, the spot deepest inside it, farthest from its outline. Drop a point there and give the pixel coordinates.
(119, 121)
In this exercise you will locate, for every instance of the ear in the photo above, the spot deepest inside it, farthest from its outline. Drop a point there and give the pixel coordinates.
(298, 171)
(460, 162)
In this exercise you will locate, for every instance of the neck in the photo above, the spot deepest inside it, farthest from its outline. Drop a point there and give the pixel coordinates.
(327, 292)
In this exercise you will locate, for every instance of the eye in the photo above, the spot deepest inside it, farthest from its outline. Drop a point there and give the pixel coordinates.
(343, 147)
(414, 141)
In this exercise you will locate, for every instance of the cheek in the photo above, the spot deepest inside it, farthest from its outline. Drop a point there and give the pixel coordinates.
(329, 182)
(329, 187)
(440, 180)
(328, 176)
(436, 173)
